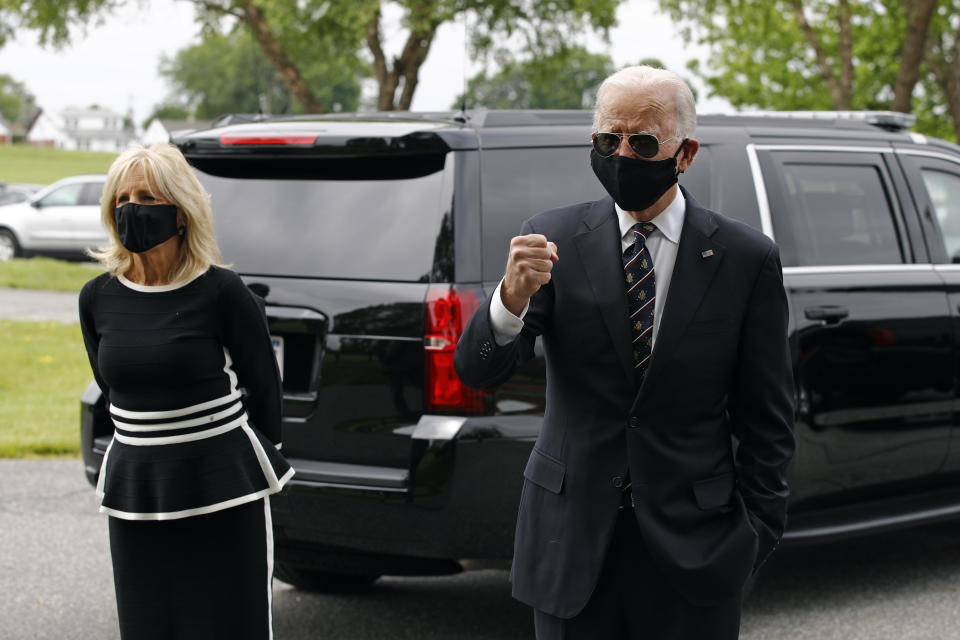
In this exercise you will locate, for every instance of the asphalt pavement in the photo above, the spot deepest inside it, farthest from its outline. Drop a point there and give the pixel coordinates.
(56, 583)
(29, 304)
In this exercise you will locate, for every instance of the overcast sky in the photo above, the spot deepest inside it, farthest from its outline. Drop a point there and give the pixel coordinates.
(115, 64)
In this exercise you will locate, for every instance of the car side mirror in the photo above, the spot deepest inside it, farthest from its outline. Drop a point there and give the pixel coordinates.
(36, 204)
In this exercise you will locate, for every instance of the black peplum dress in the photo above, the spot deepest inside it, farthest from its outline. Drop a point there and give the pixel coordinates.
(195, 397)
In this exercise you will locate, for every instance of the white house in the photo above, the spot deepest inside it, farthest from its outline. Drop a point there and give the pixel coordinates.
(163, 129)
(5, 134)
(94, 129)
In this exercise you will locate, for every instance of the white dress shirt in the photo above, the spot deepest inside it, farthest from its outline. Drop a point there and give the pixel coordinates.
(662, 245)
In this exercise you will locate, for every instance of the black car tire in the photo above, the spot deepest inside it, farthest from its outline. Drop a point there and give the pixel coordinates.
(322, 581)
(9, 247)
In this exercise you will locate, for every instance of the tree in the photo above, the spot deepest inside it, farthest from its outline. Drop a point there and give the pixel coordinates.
(565, 80)
(17, 104)
(942, 57)
(229, 73)
(815, 54)
(293, 35)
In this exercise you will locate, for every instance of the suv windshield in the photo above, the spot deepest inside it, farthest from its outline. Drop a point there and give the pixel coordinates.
(358, 229)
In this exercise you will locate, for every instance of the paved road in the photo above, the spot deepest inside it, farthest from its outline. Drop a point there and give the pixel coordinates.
(55, 583)
(28, 304)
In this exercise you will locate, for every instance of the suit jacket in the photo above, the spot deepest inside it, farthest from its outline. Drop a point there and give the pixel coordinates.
(706, 438)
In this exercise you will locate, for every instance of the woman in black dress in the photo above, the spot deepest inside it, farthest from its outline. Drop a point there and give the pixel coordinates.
(182, 353)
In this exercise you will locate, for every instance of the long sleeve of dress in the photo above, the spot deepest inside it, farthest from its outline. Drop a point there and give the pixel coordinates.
(91, 339)
(245, 334)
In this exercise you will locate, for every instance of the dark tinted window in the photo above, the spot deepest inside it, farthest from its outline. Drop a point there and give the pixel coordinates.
(363, 229)
(519, 183)
(836, 214)
(944, 191)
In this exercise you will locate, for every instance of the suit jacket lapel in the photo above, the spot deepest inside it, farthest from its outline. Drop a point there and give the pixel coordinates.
(692, 274)
(599, 252)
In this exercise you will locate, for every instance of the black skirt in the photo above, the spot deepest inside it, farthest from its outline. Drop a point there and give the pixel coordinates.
(207, 576)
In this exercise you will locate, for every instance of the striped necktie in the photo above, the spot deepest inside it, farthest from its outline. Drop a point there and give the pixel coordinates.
(641, 294)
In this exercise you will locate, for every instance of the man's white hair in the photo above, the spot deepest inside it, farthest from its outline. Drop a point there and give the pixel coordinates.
(645, 78)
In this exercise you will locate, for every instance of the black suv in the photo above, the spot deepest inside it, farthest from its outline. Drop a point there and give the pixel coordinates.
(373, 238)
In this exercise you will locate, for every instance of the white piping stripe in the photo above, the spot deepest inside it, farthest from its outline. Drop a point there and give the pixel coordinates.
(268, 522)
(265, 465)
(186, 513)
(648, 303)
(182, 424)
(103, 469)
(187, 437)
(157, 288)
(174, 413)
(228, 369)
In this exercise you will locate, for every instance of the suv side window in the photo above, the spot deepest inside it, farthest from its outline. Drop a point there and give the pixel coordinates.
(944, 191)
(519, 183)
(66, 196)
(833, 210)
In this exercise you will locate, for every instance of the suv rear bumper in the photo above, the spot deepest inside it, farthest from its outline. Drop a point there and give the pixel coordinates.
(457, 502)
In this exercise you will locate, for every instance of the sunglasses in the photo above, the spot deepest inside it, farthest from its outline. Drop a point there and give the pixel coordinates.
(645, 145)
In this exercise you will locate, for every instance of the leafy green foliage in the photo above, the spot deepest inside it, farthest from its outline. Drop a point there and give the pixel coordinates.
(567, 79)
(53, 20)
(16, 103)
(230, 74)
(761, 57)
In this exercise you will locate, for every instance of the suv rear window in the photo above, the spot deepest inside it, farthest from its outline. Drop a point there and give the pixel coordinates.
(367, 229)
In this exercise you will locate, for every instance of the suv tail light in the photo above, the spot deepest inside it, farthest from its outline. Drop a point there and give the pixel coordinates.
(448, 310)
(266, 139)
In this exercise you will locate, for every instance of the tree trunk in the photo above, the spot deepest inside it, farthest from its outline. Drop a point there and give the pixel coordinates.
(846, 55)
(919, 13)
(945, 65)
(285, 67)
(833, 85)
(406, 67)
(387, 79)
(410, 61)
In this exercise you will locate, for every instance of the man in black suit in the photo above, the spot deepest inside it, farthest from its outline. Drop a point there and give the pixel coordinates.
(656, 485)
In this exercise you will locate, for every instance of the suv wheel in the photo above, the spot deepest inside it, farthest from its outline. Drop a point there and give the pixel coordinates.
(9, 247)
(322, 581)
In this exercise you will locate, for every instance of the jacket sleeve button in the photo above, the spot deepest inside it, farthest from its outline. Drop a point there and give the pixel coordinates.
(618, 481)
(634, 421)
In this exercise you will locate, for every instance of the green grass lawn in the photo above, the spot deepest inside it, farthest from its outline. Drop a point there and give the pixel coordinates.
(20, 163)
(43, 372)
(46, 273)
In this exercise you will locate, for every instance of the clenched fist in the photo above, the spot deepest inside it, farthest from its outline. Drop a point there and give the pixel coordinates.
(528, 268)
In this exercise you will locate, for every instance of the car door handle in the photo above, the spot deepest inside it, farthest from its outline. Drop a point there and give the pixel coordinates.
(828, 313)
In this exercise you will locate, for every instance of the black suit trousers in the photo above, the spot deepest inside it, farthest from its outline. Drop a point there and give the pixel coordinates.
(634, 601)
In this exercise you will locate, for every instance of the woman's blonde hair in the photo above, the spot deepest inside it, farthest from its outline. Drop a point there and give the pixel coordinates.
(168, 174)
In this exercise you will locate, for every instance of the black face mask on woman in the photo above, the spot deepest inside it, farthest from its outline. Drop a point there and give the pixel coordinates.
(634, 183)
(141, 227)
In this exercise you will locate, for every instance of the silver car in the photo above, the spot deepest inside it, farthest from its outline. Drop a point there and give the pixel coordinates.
(62, 219)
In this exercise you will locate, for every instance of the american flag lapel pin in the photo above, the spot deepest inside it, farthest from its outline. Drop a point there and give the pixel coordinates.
(707, 253)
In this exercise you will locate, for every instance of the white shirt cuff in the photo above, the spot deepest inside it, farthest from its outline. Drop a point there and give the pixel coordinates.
(504, 324)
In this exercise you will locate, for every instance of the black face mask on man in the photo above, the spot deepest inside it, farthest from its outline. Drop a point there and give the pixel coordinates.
(635, 184)
(141, 227)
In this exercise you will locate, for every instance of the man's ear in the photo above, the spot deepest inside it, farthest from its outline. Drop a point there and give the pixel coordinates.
(687, 154)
